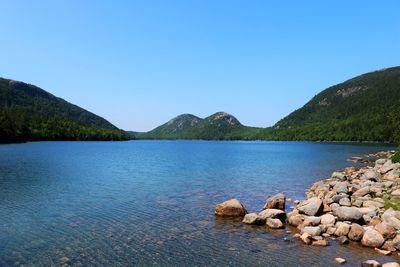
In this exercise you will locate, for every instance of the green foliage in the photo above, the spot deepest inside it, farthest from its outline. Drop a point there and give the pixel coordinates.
(365, 108)
(28, 113)
(396, 157)
(219, 126)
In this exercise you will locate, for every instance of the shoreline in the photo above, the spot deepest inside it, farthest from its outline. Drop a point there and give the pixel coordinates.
(354, 205)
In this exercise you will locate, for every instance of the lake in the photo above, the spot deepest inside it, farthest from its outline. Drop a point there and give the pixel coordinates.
(152, 202)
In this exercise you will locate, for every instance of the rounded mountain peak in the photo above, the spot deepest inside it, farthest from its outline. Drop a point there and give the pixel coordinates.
(224, 117)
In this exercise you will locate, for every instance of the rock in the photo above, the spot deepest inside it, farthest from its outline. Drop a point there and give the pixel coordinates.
(383, 252)
(322, 243)
(392, 175)
(312, 230)
(296, 219)
(310, 206)
(372, 238)
(331, 230)
(386, 230)
(370, 211)
(356, 232)
(328, 219)
(342, 229)
(375, 221)
(373, 204)
(394, 222)
(337, 198)
(370, 263)
(380, 161)
(395, 193)
(371, 175)
(345, 202)
(348, 214)
(338, 175)
(230, 208)
(340, 260)
(389, 245)
(274, 223)
(391, 264)
(311, 220)
(273, 214)
(362, 191)
(276, 202)
(341, 187)
(306, 238)
(64, 260)
(334, 207)
(253, 218)
(342, 240)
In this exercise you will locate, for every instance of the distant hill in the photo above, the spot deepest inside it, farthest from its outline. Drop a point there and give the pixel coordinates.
(365, 108)
(219, 126)
(29, 113)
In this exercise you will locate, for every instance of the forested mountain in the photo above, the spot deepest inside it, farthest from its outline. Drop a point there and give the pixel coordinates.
(28, 113)
(219, 126)
(365, 108)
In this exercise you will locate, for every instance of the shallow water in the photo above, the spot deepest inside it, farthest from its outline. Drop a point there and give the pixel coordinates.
(152, 202)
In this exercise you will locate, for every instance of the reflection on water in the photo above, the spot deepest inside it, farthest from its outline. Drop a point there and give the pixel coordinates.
(151, 202)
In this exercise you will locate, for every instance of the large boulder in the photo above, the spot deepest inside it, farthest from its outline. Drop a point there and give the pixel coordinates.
(273, 214)
(230, 208)
(253, 218)
(386, 230)
(371, 175)
(372, 238)
(348, 214)
(310, 207)
(356, 232)
(276, 202)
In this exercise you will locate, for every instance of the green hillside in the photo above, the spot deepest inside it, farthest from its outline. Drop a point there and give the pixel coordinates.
(219, 126)
(28, 113)
(365, 108)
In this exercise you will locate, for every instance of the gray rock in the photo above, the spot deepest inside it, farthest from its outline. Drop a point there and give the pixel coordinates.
(342, 240)
(348, 214)
(311, 206)
(362, 191)
(371, 175)
(341, 187)
(345, 202)
(312, 230)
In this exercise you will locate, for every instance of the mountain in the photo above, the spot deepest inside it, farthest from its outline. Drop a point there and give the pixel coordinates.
(29, 113)
(219, 126)
(365, 108)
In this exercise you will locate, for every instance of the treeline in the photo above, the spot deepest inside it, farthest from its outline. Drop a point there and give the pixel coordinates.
(20, 126)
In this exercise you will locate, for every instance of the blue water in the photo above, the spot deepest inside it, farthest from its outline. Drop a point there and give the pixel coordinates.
(152, 202)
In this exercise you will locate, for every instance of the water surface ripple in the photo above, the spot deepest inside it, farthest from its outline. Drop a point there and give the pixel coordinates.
(151, 202)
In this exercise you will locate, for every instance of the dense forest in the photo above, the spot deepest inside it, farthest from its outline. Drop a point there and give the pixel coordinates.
(28, 113)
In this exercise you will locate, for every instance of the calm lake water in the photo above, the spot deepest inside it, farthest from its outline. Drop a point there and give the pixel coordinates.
(152, 202)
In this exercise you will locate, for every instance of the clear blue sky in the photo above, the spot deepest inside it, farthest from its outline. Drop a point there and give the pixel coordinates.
(139, 63)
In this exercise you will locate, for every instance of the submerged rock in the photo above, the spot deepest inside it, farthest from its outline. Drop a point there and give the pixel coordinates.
(370, 263)
(274, 223)
(230, 208)
(253, 218)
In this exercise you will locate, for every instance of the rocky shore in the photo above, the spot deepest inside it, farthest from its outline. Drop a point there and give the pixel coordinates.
(354, 204)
